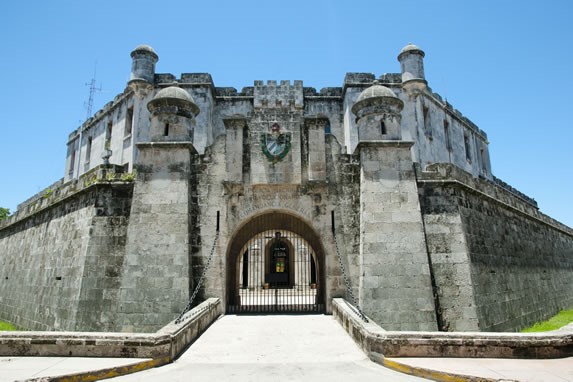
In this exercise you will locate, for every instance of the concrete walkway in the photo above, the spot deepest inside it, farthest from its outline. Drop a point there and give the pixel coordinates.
(24, 368)
(272, 348)
(523, 370)
(285, 348)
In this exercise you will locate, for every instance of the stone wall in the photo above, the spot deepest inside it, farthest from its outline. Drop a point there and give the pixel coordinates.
(395, 283)
(62, 259)
(156, 270)
(499, 263)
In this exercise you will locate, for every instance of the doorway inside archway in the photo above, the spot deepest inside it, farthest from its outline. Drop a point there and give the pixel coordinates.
(275, 266)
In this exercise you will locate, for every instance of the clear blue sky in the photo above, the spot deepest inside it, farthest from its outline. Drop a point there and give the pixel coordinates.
(506, 65)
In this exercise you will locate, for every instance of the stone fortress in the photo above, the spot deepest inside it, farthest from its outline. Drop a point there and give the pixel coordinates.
(277, 194)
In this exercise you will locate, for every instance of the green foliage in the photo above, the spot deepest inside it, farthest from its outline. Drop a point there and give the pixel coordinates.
(91, 180)
(561, 319)
(4, 213)
(47, 193)
(128, 177)
(6, 326)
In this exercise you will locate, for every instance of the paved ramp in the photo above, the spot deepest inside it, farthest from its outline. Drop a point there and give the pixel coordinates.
(272, 348)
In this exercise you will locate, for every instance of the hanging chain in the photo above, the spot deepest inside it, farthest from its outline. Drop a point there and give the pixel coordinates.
(200, 282)
(354, 303)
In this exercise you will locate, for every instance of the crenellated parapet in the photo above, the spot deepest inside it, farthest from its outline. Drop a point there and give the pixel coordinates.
(283, 95)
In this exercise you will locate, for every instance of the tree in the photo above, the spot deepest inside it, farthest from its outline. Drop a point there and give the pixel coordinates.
(4, 213)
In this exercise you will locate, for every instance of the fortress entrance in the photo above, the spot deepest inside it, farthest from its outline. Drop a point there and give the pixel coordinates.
(275, 264)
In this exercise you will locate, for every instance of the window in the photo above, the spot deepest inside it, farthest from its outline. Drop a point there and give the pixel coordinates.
(88, 153)
(166, 130)
(467, 146)
(72, 163)
(447, 135)
(427, 124)
(483, 166)
(383, 128)
(108, 132)
(128, 122)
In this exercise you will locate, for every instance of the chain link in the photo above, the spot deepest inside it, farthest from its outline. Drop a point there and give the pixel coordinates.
(354, 302)
(200, 282)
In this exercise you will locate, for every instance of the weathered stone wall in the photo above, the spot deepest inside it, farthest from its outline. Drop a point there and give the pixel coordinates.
(61, 260)
(395, 283)
(499, 263)
(440, 133)
(106, 129)
(99, 293)
(344, 184)
(156, 271)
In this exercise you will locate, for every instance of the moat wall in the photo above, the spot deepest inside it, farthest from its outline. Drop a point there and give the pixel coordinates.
(60, 264)
(499, 264)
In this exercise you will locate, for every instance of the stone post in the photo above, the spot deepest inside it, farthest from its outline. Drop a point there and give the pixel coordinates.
(234, 148)
(316, 148)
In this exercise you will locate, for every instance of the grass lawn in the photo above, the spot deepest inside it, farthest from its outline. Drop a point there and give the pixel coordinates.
(5, 326)
(561, 319)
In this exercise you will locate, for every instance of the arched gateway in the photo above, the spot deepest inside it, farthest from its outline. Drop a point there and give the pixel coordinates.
(275, 263)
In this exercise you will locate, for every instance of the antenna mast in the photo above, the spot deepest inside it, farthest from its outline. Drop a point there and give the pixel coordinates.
(93, 89)
(89, 105)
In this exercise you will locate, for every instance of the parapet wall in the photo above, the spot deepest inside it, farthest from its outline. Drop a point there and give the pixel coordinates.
(378, 343)
(499, 264)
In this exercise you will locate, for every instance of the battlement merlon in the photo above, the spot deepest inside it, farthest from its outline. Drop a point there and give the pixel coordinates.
(272, 95)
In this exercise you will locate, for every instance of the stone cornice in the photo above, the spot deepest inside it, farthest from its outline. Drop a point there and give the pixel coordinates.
(167, 145)
(384, 143)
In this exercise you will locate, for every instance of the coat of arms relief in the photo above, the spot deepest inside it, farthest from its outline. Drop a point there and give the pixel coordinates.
(275, 144)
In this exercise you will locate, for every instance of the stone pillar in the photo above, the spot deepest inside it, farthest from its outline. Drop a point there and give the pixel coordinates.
(234, 149)
(156, 272)
(316, 148)
(395, 287)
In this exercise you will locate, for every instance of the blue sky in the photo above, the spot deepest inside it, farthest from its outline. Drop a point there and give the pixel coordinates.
(505, 65)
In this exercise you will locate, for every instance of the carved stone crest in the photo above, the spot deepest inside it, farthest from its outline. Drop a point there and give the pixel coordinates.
(275, 144)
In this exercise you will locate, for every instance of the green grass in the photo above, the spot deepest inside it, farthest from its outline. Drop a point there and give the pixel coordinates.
(6, 326)
(561, 319)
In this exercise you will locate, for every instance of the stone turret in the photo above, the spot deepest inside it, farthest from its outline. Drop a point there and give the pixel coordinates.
(173, 112)
(389, 202)
(377, 111)
(412, 66)
(142, 75)
(158, 244)
(144, 59)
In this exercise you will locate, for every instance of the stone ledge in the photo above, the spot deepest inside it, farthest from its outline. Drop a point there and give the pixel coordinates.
(168, 145)
(385, 143)
(168, 342)
(448, 175)
(374, 339)
(59, 192)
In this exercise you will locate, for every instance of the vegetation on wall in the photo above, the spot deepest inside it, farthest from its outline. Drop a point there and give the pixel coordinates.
(4, 213)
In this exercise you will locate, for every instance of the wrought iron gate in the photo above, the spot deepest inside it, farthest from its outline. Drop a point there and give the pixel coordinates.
(276, 272)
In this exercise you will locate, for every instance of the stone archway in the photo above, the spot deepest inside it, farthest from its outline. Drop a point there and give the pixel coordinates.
(275, 263)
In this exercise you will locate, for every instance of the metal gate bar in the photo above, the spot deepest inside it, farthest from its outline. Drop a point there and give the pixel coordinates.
(277, 274)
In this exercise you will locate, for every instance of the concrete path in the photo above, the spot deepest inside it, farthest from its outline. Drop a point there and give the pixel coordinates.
(272, 348)
(523, 370)
(285, 348)
(23, 368)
